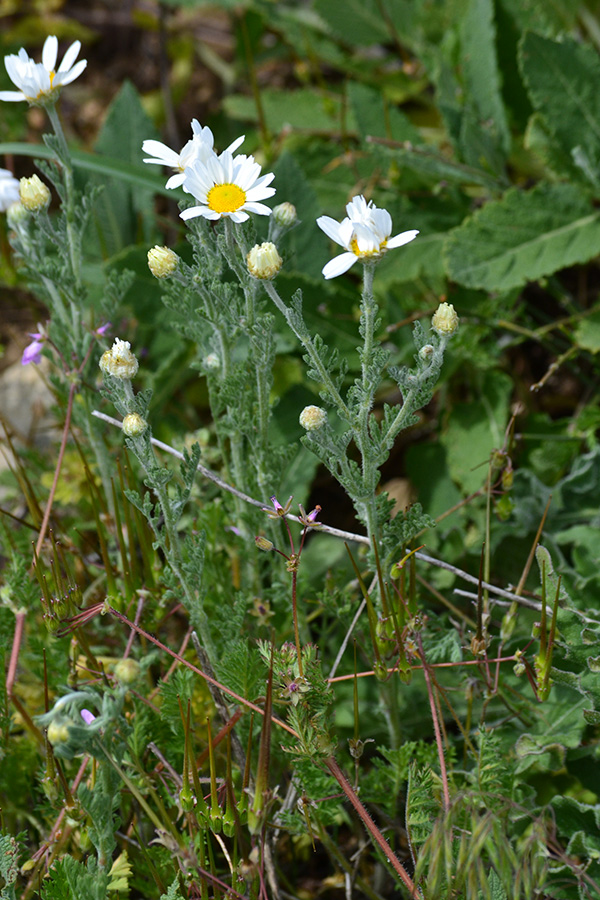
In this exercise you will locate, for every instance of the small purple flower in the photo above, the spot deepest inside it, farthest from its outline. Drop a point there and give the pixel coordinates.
(87, 716)
(100, 332)
(278, 510)
(33, 352)
(309, 520)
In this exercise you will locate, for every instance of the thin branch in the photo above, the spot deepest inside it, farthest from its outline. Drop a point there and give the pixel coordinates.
(325, 529)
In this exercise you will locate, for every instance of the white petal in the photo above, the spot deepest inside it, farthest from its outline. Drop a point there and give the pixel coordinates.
(175, 181)
(75, 72)
(12, 96)
(358, 208)
(49, 53)
(258, 208)
(235, 144)
(70, 56)
(366, 238)
(257, 193)
(382, 222)
(331, 229)
(192, 212)
(400, 239)
(241, 216)
(161, 152)
(339, 265)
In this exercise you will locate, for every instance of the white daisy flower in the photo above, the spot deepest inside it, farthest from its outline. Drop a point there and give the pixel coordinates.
(200, 148)
(39, 83)
(225, 186)
(364, 233)
(9, 189)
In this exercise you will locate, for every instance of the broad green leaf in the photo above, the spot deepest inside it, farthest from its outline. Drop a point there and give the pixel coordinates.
(136, 175)
(429, 162)
(523, 237)
(587, 333)
(302, 110)
(305, 244)
(120, 213)
(480, 70)
(562, 78)
(551, 18)
(474, 429)
(356, 22)
(375, 117)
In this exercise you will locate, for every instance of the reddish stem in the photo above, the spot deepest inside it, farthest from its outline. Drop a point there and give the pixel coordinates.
(370, 825)
(436, 724)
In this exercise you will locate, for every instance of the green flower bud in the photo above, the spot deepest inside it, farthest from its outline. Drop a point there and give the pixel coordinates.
(264, 261)
(134, 425)
(445, 319)
(119, 361)
(162, 261)
(35, 195)
(313, 417)
(127, 671)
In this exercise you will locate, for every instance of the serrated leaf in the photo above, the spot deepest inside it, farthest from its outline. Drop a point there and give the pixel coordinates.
(562, 78)
(523, 237)
(308, 252)
(480, 70)
(119, 212)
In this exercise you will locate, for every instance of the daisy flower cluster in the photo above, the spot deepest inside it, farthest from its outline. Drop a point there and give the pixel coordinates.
(40, 83)
(223, 184)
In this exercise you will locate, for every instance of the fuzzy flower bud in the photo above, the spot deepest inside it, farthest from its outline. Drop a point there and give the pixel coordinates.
(127, 671)
(313, 417)
(134, 425)
(426, 352)
(162, 261)
(58, 732)
(212, 361)
(16, 215)
(34, 194)
(285, 214)
(119, 361)
(445, 319)
(264, 261)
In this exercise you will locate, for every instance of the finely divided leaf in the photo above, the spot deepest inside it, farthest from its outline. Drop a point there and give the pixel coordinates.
(523, 237)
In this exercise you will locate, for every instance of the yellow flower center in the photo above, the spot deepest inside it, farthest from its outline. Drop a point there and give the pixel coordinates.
(366, 254)
(225, 198)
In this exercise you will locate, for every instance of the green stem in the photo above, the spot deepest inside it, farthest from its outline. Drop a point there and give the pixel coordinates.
(73, 238)
(305, 339)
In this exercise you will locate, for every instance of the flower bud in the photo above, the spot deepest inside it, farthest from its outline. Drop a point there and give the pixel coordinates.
(134, 425)
(16, 215)
(264, 261)
(426, 352)
(162, 261)
(119, 361)
(445, 319)
(58, 732)
(285, 214)
(212, 361)
(312, 417)
(127, 671)
(35, 195)
(263, 543)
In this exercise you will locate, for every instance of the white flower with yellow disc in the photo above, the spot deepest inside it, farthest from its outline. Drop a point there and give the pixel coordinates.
(227, 186)
(364, 233)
